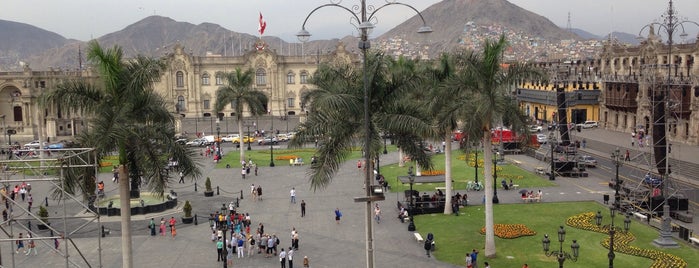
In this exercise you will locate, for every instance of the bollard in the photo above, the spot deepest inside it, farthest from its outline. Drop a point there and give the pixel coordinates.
(195, 186)
(29, 225)
(195, 220)
(103, 234)
(46, 201)
(217, 191)
(241, 194)
(237, 204)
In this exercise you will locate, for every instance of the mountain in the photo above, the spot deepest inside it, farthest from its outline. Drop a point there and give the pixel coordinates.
(585, 34)
(18, 41)
(448, 19)
(624, 38)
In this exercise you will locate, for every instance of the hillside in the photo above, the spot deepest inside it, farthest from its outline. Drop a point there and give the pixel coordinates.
(19, 40)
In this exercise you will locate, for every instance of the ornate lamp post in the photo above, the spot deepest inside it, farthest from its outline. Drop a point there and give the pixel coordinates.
(661, 103)
(561, 255)
(224, 229)
(271, 143)
(411, 178)
(496, 200)
(365, 23)
(612, 231)
(616, 155)
(248, 124)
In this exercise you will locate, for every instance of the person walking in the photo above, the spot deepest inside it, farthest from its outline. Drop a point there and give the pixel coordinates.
(487, 265)
(289, 256)
(469, 262)
(259, 192)
(242, 172)
(306, 262)
(474, 258)
(303, 208)
(173, 232)
(377, 214)
(172, 223)
(282, 258)
(151, 225)
(240, 249)
(20, 244)
(229, 256)
(181, 177)
(292, 192)
(30, 245)
(162, 226)
(627, 156)
(30, 200)
(338, 215)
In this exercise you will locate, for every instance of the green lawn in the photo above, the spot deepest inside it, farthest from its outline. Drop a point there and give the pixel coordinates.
(462, 172)
(455, 235)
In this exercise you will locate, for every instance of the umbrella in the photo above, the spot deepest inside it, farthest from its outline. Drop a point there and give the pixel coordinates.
(523, 191)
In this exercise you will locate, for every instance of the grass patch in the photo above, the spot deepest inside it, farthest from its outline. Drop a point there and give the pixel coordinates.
(456, 235)
(262, 156)
(462, 173)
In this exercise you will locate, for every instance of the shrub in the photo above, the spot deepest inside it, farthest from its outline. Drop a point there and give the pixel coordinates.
(43, 213)
(187, 208)
(207, 184)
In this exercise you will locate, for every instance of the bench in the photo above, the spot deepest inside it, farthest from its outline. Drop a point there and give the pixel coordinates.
(515, 186)
(418, 237)
(694, 241)
(442, 188)
(531, 199)
(540, 170)
(640, 216)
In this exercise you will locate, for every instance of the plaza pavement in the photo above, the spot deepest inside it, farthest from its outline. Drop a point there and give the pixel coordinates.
(326, 243)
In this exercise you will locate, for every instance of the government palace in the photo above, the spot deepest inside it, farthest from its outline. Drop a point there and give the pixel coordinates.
(617, 88)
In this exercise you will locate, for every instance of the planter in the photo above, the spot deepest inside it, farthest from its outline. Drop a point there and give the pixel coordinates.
(189, 220)
(209, 194)
(42, 226)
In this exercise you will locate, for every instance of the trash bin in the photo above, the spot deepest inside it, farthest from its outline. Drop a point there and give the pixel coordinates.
(606, 199)
(684, 233)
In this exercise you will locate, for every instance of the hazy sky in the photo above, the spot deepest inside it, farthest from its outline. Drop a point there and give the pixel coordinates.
(85, 19)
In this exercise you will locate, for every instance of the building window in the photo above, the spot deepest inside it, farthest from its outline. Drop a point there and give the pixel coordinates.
(304, 77)
(290, 102)
(205, 79)
(180, 104)
(219, 79)
(180, 79)
(207, 104)
(260, 77)
(17, 113)
(290, 78)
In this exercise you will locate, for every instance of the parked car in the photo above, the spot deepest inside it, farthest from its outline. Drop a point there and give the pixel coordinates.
(58, 145)
(588, 124)
(652, 181)
(268, 140)
(282, 137)
(588, 161)
(542, 138)
(197, 142)
(181, 141)
(230, 137)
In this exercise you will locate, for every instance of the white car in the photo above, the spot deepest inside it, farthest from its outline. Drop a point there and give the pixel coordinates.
(33, 144)
(197, 142)
(588, 124)
(535, 128)
(230, 137)
(542, 138)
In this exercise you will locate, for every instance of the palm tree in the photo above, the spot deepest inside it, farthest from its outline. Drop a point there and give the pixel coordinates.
(485, 83)
(238, 92)
(127, 117)
(447, 111)
(336, 114)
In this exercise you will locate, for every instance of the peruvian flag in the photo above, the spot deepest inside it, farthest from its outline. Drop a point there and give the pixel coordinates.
(263, 25)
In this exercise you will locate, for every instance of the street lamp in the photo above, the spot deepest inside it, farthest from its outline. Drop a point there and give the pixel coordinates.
(616, 155)
(496, 200)
(661, 102)
(612, 230)
(224, 229)
(218, 136)
(561, 255)
(364, 25)
(271, 142)
(247, 124)
(411, 179)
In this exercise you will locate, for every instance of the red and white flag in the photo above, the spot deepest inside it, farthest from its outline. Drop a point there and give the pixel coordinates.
(263, 25)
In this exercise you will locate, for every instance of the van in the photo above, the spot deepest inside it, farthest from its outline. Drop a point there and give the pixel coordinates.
(209, 139)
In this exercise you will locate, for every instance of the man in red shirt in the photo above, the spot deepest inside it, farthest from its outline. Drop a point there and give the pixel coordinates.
(172, 223)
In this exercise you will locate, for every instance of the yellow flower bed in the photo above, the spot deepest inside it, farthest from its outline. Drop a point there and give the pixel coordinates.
(106, 164)
(510, 231)
(432, 172)
(286, 157)
(660, 259)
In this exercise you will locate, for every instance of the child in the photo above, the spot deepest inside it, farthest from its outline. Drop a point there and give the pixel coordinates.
(174, 232)
(305, 262)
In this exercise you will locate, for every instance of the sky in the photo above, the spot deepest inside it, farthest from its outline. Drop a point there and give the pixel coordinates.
(87, 19)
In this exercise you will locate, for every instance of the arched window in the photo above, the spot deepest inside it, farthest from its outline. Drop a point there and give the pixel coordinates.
(219, 79)
(180, 79)
(290, 78)
(260, 77)
(205, 79)
(180, 104)
(304, 77)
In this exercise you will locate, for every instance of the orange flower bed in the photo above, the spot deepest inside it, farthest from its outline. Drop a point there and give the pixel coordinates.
(432, 172)
(510, 231)
(286, 157)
